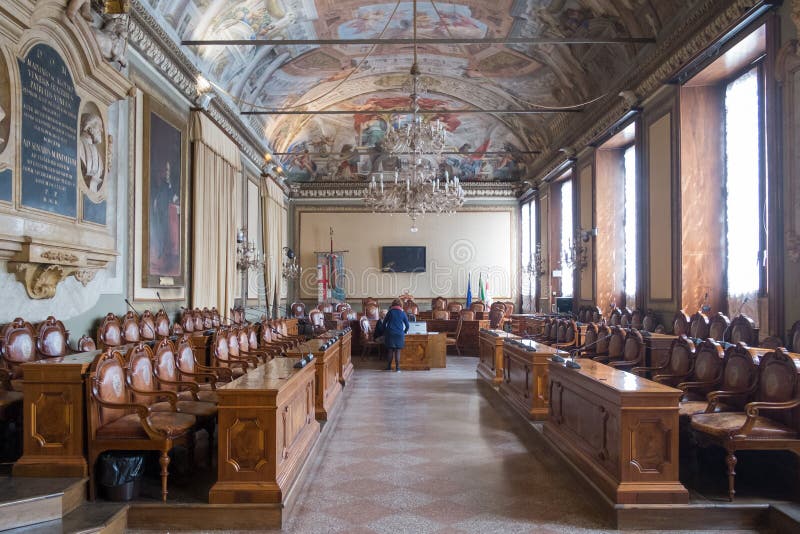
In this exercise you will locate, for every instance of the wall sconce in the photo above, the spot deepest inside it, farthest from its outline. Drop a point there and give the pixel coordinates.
(204, 93)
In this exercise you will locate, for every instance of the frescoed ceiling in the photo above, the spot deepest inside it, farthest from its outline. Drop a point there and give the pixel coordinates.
(375, 76)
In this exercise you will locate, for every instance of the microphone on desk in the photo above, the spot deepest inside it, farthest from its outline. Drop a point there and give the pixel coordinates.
(137, 313)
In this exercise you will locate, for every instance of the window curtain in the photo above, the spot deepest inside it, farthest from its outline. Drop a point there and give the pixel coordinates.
(273, 227)
(217, 167)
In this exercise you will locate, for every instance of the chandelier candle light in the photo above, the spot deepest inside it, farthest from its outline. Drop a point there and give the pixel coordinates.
(418, 186)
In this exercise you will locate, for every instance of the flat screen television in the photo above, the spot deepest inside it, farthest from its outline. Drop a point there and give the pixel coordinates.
(403, 259)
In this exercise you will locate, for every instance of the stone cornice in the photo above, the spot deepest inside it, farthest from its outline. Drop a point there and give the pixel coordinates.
(703, 24)
(149, 38)
(354, 190)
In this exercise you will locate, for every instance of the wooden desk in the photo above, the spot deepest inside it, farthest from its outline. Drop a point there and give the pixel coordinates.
(54, 411)
(201, 343)
(345, 352)
(657, 348)
(524, 383)
(527, 324)
(266, 430)
(490, 365)
(326, 363)
(423, 351)
(291, 325)
(620, 430)
(470, 332)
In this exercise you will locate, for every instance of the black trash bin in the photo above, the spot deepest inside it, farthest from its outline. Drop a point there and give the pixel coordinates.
(119, 475)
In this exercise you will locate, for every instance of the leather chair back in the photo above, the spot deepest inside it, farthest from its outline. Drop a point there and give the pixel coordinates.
(509, 308)
(317, 318)
(130, 328)
(109, 334)
(682, 357)
(626, 318)
(165, 365)
(139, 373)
(743, 330)
(366, 329)
(698, 326)
(570, 329)
(185, 355)
(233, 342)
(637, 319)
(649, 321)
(197, 314)
(590, 339)
(603, 331)
(147, 326)
(439, 303)
(216, 320)
(86, 344)
(161, 324)
(369, 301)
(411, 308)
(709, 362)
(439, 315)
(187, 321)
(252, 337)
(244, 339)
(454, 307)
(597, 315)
(18, 345)
(615, 319)
(718, 327)
(777, 382)
(325, 307)
(496, 318)
(633, 349)
(372, 312)
(616, 344)
(680, 323)
(298, 310)
(108, 384)
(208, 319)
(467, 315)
(478, 307)
(52, 338)
(740, 373)
(342, 306)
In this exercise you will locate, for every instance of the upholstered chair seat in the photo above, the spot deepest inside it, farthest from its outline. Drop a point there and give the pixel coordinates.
(204, 394)
(166, 422)
(192, 407)
(725, 425)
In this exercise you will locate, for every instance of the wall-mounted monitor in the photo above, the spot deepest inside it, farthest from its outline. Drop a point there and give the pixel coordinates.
(403, 259)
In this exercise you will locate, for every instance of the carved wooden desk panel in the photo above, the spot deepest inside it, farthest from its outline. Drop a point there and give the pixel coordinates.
(619, 429)
(490, 365)
(54, 407)
(423, 351)
(470, 332)
(524, 383)
(437, 350)
(345, 352)
(266, 430)
(291, 326)
(326, 363)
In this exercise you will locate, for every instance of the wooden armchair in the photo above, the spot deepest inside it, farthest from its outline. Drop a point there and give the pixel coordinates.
(567, 335)
(544, 336)
(197, 315)
(771, 342)
(454, 307)
(650, 321)
(116, 422)
(615, 318)
(496, 318)
(269, 340)
(369, 301)
(632, 352)
(466, 315)
(191, 369)
(626, 318)
(637, 319)
(707, 373)
(216, 320)
(439, 303)
(597, 314)
(298, 310)
(368, 341)
(440, 315)
(411, 308)
(317, 318)
(109, 333)
(477, 306)
(17, 347)
(208, 319)
(454, 340)
(222, 357)
(245, 349)
(589, 347)
(281, 328)
(680, 323)
(699, 326)
(718, 327)
(744, 330)
(235, 351)
(52, 339)
(583, 314)
(147, 326)
(130, 328)
(162, 326)
(769, 420)
(509, 306)
(187, 322)
(675, 368)
(616, 346)
(253, 343)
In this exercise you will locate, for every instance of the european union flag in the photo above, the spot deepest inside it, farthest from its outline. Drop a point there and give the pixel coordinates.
(469, 290)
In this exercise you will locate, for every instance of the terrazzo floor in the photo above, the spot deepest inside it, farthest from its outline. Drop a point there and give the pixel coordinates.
(437, 452)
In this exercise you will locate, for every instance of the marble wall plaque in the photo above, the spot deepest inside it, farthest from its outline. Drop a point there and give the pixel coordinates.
(49, 133)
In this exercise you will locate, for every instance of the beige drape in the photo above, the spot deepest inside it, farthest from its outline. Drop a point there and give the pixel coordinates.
(273, 224)
(217, 167)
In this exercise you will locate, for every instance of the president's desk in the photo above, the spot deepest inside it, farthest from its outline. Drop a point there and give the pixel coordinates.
(620, 430)
(266, 430)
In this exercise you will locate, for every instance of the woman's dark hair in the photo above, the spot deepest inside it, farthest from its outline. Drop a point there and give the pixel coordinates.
(397, 302)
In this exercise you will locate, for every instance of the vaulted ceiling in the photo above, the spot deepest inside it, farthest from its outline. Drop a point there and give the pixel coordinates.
(457, 76)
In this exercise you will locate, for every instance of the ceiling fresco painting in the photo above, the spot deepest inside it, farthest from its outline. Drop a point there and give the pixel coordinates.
(457, 76)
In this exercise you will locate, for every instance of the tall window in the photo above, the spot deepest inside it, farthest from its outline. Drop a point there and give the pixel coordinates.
(567, 244)
(630, 226)
(743, 164)
(528, 222)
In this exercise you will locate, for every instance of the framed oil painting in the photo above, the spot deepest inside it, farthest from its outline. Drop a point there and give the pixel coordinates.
(163, 196)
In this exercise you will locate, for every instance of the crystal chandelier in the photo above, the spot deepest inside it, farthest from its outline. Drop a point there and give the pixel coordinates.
(290, 268)
(418, 186)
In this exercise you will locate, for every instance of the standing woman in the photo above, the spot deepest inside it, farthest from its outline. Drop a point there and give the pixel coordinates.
(395, 326)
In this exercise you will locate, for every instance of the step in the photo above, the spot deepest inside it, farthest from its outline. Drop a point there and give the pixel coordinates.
(29, 500)
(785, 518)
(90, 518)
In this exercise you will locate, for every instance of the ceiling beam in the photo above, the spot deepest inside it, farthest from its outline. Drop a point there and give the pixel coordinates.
(423, 42)
(535, 111)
